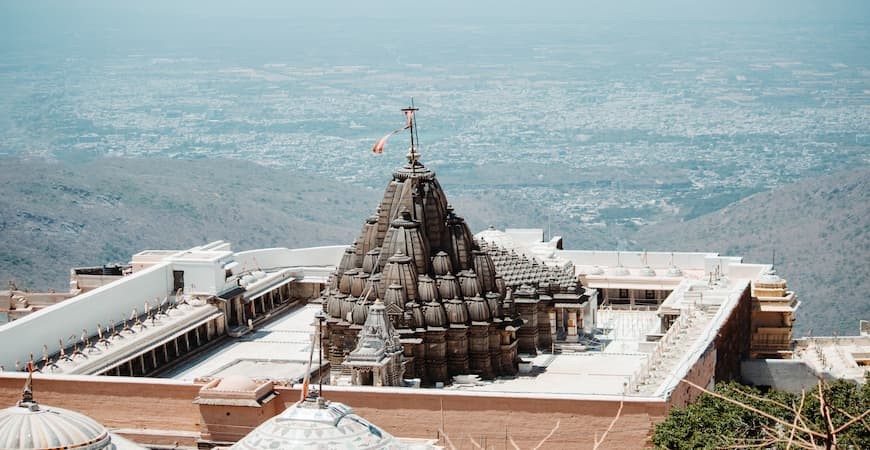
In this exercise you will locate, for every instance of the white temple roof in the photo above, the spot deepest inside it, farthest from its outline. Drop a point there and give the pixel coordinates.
(29, 425)
(317, 424)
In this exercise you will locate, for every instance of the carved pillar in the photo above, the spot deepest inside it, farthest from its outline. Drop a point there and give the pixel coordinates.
(478, 346)
(508, 352)
(436, 354)
(527, 308)
(457, 349)
(495, 347)
(545, 334)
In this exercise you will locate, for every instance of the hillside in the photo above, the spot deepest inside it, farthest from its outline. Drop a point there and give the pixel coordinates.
(820, 229)
(58, 215)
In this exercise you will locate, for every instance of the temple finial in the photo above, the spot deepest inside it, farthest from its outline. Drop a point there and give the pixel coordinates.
(27, 393)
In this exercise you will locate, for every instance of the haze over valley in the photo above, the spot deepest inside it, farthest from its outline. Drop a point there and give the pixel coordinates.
(735, 130)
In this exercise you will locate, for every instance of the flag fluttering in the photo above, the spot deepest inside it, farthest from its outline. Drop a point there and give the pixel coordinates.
(379, 146)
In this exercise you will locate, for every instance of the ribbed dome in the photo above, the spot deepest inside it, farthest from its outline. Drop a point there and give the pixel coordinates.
(359, 313)
(30, 426)
(492, 300)
(441, 264)
(395, 295)
(358, 284)
(427, 289)
(414, 315)
(317, 424)
(435, 315)
(370, 261)
(333, 304)
(448, 286)
(457, 312)
(347, 305)
(469, 284)
(478, 310)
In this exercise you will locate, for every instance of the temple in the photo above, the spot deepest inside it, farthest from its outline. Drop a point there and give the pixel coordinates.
(440, 289)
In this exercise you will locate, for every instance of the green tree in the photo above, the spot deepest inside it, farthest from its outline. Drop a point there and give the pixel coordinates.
(738, 416)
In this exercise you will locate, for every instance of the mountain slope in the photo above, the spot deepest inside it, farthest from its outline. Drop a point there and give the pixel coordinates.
(820, 230)
(59, 215)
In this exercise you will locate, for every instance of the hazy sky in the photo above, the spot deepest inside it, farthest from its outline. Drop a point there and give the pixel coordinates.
(31, 12)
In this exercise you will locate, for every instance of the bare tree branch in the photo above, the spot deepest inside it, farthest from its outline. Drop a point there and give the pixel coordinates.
(598, 442)
(750, 408)
(447, 439)
(796, 417)
(831, 438)
(852, 422)
(548, 436)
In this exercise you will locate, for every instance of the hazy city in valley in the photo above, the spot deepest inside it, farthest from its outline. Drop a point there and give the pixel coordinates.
(656, 139)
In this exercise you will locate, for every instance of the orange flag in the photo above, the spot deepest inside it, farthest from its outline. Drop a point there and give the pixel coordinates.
(379, 146)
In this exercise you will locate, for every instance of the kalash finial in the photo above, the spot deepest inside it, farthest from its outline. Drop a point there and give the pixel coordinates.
(27, 394)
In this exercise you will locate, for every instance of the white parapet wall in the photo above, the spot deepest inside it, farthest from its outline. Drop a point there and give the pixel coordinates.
(280, 257)
(110, 303)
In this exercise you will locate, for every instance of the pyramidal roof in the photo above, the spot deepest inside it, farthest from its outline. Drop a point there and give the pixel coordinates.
(413, 254)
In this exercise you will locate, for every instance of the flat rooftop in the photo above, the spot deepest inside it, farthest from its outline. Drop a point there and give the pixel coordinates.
(277, 350)
(840, 356)
(635, 357)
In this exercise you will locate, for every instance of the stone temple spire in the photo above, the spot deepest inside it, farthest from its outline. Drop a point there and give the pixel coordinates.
(426, 255)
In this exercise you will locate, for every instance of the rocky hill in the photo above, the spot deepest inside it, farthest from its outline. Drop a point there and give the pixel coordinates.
(820, 229)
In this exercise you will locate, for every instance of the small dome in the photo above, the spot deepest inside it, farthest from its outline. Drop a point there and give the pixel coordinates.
(315, 424)
(347, 305)
(333, 304)
(492, 300)
(395, 295)
(441, 264)
(674, 271)
(359, 313)
(448, 286)
(435, 314)
(457, 312)
(619, 271)
(769, 277)
(31, 426)
(478, 310)
(236, 383)
(647, 271)
(414, 315)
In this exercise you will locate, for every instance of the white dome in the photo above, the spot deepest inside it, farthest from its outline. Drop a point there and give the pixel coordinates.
(496, 237)
(30, 426)
(769, 277)
(619, 271)
(317, 424)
